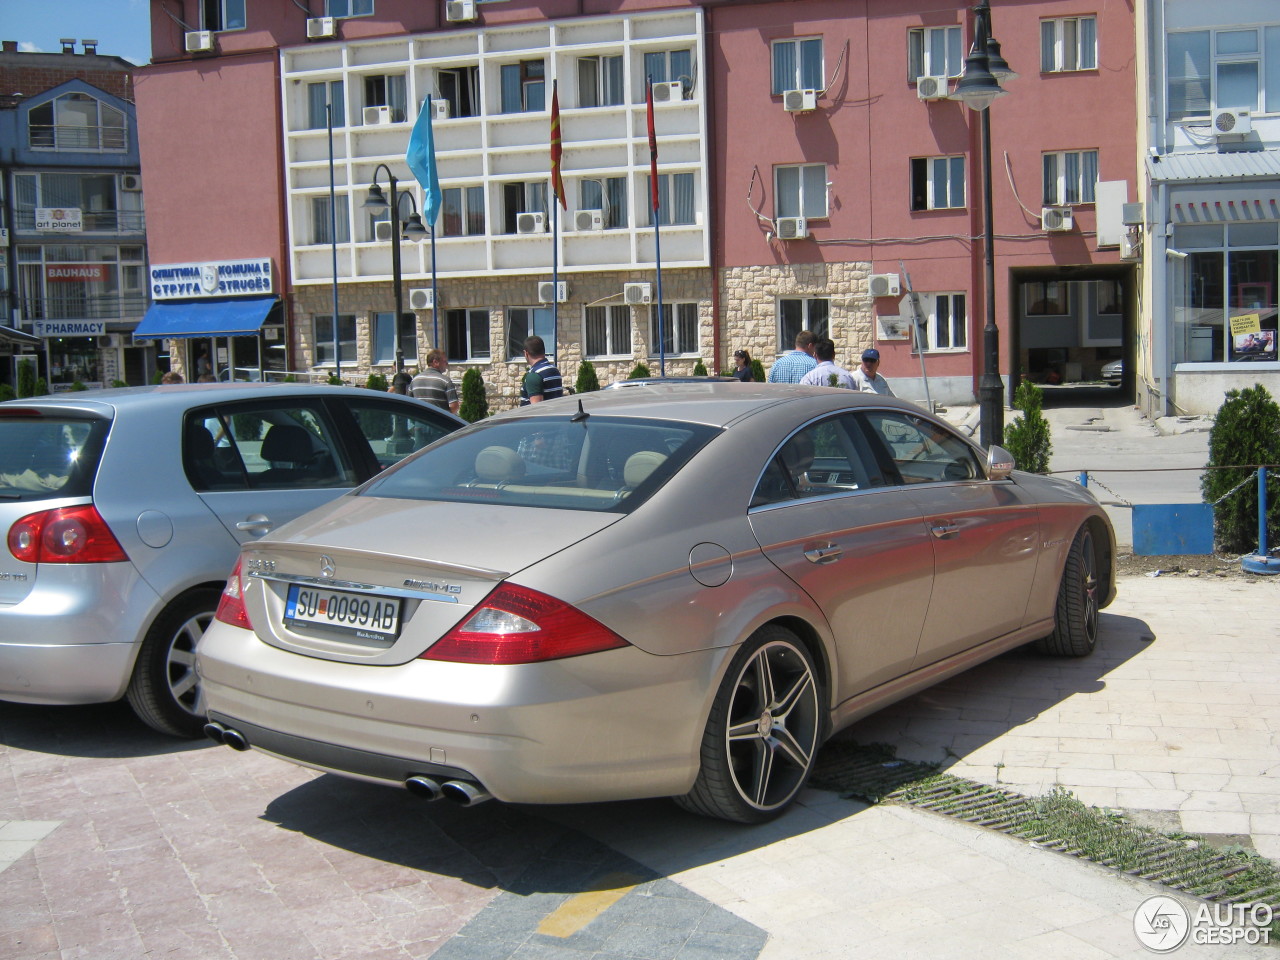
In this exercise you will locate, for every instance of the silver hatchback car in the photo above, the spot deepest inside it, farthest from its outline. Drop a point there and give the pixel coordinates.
(124, 510)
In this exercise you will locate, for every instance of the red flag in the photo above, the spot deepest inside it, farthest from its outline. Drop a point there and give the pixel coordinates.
(557, 184)
(653, 143)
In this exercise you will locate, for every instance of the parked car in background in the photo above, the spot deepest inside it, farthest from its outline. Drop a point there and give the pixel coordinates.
(1113, 372)
(124, 510)
(668, 590)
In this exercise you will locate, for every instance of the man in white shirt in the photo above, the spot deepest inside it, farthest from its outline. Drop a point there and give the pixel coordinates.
(827, 373)
(865, 377)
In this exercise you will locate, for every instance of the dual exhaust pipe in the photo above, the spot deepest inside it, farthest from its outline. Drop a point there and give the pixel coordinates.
(462, 792)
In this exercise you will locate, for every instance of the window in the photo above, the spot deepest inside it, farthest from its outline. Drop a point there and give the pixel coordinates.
(797, 65)
(524, 87)
(676, 203)
(1045, 298)
(946, 323)
(795, 315)
(222, 15)
(321, 221)
(387, 91)
(525, 322)
(460, 88)
(1070, 43)
(609, 196)
(1109, 294)
(679, 337)
(937, 183)
(96, 195)
(668, 65)
(462, 212)
(322, 332)
(319, 96)
(349, 8)
(518, 198)
(831, 456)
(384, 338)
(264, 445)
(801, 191)
(467, 335)
(922, 452)
(1232, 69)
(934, 52)
(76, 121)
(80, 281)
(387, 425)
(599, 81)
(608, 331)
(1070, 176)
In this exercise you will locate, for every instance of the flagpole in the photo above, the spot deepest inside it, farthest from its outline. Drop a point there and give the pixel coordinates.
(435, 295)
(421, 158)
(333, 237)
(557, 200)
(657, 234)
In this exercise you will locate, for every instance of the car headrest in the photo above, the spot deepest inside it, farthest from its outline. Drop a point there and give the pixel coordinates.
(199, 440)
(285, 443)
(498, 464)
(639, 465)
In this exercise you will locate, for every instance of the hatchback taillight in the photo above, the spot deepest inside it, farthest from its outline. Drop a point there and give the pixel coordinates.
(518, 625)
(65, 535)
(231, 607)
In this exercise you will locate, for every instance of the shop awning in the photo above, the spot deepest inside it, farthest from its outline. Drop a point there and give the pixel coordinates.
(230, 317)
(10, 335)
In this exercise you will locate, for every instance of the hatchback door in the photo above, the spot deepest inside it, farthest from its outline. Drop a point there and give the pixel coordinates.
(826, 516)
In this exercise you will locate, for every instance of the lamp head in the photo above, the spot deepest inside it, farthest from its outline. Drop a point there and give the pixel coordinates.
(376, 201)
(978, 85)
(997, 64)
(413, 228)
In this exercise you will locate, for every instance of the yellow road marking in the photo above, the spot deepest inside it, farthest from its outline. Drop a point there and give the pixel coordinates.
(580, 909)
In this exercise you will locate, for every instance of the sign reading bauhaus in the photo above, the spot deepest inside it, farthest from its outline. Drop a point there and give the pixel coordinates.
(217, 278)
(76, 272)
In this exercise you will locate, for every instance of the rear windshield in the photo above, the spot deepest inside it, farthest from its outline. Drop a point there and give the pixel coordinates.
(46, 458)
(599, 463)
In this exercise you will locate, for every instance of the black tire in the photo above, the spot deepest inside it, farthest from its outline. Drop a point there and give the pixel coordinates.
(164, 690)
(763, 733)
(1075, 626)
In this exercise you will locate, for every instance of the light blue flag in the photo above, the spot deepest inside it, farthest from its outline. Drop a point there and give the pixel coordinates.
(421, 157)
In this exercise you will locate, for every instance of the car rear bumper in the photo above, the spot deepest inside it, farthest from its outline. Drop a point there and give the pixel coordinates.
(65, 673)
(621, 724)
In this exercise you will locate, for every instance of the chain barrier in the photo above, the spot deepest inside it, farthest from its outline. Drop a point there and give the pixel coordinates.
(1245, 482)
(1091, 478)
(1094, 480)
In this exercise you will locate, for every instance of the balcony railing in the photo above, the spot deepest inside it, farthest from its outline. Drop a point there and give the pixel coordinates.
(73, 137)
(82, 308)
(92, 221)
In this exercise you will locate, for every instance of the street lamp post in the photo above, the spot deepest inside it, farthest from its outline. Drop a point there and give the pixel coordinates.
(979, 85)
(413, 230)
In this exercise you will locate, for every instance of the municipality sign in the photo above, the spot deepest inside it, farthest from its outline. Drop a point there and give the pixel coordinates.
(217, 278)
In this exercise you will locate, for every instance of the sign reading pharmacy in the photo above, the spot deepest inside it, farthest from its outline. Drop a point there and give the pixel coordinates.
(217, 278)
(69, 328)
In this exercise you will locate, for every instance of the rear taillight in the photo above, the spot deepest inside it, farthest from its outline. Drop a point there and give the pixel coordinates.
(518, 625)
(65, 535)
(231, 607)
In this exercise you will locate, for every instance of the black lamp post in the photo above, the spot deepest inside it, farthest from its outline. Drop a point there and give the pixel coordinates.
(413, 230)
(984, 69)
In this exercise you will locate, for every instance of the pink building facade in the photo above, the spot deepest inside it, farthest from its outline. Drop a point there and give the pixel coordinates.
(808, 182)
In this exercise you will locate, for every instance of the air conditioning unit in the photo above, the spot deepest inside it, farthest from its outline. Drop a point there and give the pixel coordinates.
(130, 182)
(588, 220)
(4, 236)
(668, 92)
(792, 228)
(1056, 219)
(422, 298)
(374, 116)
(1130, 248)
(460, 11)
(884, 285)
(199, 41)
(382, 231)
(932, 88)
(108, 341)
(319, 28)
(634, 293)
(547, 287)
(1232, 124)
(799, 101)
(439, 109)
(531, 223)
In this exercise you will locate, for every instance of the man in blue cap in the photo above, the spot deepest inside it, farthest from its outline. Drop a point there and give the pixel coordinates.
(866, 379)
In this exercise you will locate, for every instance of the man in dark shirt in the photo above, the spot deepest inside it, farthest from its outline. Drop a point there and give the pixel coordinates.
(543, 381)
(433, 384)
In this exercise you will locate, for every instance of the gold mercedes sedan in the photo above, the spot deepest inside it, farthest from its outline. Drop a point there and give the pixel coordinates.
(673, 590)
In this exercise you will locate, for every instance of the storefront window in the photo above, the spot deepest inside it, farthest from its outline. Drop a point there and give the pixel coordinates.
(1225, 306)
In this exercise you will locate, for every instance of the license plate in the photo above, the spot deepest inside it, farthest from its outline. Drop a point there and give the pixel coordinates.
(358, 615)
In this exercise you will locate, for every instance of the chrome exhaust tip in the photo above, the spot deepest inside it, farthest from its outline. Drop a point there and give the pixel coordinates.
(424, 787)
(234, 739)
(464, 793)
(215, 732)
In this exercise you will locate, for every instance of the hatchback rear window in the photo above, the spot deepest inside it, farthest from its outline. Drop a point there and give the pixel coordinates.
(599, 463)
(47, 458)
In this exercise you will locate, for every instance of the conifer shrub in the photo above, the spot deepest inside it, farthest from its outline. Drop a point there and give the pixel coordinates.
(757, 370)
(1245, 435)
(639, 372)
(587, 380)
(699, 368)
(474, 405)
(1027, 438)
(377, 382)
(26, 379)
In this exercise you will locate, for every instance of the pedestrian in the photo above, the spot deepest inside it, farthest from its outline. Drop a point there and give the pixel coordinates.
(543, 381)
(866, 379)
(400, 384)
(171, 376)
(434, 385)
(794, 364)
(203, 366)
(743, 371)
(828, 373)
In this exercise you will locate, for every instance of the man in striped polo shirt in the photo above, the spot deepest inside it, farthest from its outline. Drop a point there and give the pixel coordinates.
(543, 381)
(434, 385)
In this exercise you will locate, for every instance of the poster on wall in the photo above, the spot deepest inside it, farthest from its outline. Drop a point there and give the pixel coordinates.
(1249, 341)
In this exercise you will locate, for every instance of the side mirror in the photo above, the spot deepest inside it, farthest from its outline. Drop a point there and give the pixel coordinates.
(999, 463)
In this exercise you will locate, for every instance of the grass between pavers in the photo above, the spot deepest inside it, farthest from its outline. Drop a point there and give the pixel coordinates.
(1055, 821)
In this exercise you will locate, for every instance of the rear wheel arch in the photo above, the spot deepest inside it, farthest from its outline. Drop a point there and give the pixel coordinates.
(807, 635)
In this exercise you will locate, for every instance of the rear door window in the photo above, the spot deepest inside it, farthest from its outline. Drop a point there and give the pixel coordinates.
(395, 430)
(48, 457)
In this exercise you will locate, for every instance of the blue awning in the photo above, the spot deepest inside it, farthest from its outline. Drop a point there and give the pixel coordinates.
(230, 317)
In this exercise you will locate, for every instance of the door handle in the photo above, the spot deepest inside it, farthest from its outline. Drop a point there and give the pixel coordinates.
(257, 523)
(823, 553)
(944, 530)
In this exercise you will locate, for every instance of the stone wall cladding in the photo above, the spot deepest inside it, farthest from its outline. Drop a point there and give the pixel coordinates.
(502, 377)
